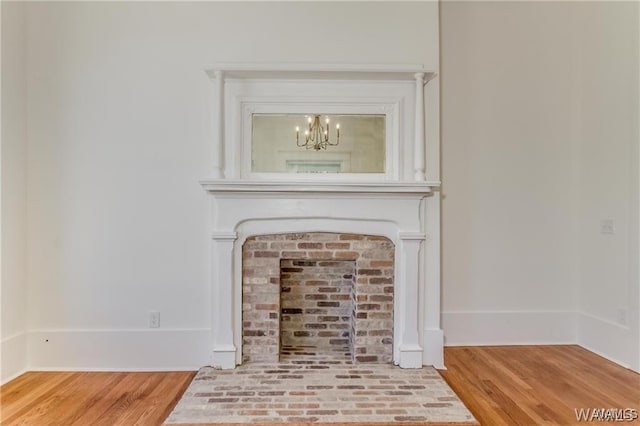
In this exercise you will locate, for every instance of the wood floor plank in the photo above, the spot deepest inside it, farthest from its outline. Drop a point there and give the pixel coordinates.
(87, 393)
(547, 383)
(26, 397)
(158, 397)
(91, 398)
(501, 385)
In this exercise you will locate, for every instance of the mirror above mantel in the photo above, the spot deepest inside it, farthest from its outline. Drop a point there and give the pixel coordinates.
(318, 143)
(263, 113)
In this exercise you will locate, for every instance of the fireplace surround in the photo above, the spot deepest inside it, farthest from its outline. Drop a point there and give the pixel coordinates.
(242, 209)
(400, 205)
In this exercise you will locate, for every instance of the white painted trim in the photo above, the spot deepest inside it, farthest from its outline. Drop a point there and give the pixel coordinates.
(407, 303)
(182, 349)
(224, 236)
(419, 141)
(12, 336)
(606, 338)
(304, 186)
(13, 355)
(396, 98)
(412, 236)
(486, 328)
(430, 301)
(222, 308)
(432, 130)
(319, 70)
(114, 370)
(410, 356)
(218, 126)
(311, 104)
(224, 357)
(433, 340)
(323, 67)
(112, 330)
(255, 212)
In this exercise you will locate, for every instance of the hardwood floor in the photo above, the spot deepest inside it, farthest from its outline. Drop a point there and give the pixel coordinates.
(97, 399)
(532, 385)
(502, 385)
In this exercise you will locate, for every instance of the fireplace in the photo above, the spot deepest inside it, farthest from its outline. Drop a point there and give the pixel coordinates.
(275, 206)
(243, 212)
(316, 294)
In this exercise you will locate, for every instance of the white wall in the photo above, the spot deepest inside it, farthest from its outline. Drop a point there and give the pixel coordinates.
(14, 172)
(118, 141)
(509, 170)
(609, 295)
(540, 143)
(117, 118)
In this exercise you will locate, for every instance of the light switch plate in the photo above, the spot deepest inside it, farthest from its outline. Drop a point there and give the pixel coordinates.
(607, 227)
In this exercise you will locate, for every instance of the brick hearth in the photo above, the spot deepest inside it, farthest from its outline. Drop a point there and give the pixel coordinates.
(337, 293)
(316, 391)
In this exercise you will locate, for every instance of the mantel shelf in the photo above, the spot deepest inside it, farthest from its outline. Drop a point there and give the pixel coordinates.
(313, 187)
(321, 71)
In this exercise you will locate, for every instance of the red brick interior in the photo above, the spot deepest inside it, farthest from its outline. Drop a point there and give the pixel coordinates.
(368, 331)
(317, 307)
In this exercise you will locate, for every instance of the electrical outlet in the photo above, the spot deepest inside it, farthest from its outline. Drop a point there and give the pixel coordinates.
(154, 319)
(607, 227)
(622, 316)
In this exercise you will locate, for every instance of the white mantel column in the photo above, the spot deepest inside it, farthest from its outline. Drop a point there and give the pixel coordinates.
(410, 348)
(433, 336)
(218, 134)
(224, 351)
(419, 148)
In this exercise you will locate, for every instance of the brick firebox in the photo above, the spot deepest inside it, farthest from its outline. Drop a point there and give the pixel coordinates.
(317, 302)
(371, 340)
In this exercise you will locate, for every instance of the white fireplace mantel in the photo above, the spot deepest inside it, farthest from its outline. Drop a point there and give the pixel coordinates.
(240, 209)
(402, 204)
(222, 186)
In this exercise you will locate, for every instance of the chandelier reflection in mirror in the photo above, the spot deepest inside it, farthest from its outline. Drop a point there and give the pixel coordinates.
(316, 136)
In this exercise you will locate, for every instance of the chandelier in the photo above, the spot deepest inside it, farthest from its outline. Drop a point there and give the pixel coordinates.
(316, 136)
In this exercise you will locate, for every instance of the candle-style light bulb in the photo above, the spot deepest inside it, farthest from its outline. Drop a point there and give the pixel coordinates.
(309, 118)
(338, 126)
(327, 120)
(297, 129)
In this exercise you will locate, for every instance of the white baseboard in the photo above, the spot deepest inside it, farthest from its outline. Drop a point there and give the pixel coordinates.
(609, 340)
(433, 343)
(118, 350)
(14, 357)
(484, 328)
(190, 349)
